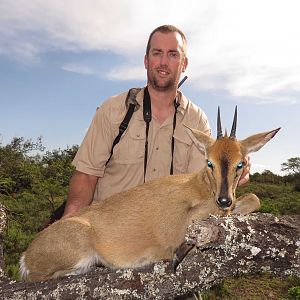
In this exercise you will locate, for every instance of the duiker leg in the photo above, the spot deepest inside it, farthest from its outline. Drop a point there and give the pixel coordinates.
(246, 204)
(180, 254)
(63, 248)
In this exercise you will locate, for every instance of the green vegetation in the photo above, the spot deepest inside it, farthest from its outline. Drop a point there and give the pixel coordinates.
(32, 186)
(278, 199)
(255, 287)
(34, 182)
(294, 293)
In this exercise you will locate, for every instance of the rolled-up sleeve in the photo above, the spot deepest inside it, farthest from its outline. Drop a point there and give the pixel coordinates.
(95, 149)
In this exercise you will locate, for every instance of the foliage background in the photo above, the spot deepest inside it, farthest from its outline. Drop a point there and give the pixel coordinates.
(34, 182)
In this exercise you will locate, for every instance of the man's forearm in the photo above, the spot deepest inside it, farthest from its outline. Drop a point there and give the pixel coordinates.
(81, 192)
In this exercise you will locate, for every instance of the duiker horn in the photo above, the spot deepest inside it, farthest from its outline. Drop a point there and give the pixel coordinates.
(219, 126)
(233, 128)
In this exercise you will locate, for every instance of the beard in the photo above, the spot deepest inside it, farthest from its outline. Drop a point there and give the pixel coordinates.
(160, 84)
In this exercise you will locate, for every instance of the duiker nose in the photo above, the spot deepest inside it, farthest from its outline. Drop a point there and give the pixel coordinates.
(224, 202)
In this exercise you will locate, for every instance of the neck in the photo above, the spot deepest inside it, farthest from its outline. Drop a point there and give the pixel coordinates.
(162, 98)
(162, 103)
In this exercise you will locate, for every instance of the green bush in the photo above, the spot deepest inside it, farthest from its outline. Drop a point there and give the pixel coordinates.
(294, 293)
(26, 214)
(268, 206)
(278, 199)
(297, 186)
(31, 188)
(15, 242)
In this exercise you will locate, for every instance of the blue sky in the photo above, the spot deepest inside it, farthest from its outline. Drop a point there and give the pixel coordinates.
(60, 59)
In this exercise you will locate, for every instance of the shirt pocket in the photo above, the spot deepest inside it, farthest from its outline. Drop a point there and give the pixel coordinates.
(131, 148)
(182, 149)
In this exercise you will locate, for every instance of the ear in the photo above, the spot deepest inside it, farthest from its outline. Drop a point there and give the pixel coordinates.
(201, 140)
(185, 64)
(255, 142)
(146, 61)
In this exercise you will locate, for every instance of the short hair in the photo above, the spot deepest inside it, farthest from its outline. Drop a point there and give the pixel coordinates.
(167, 29)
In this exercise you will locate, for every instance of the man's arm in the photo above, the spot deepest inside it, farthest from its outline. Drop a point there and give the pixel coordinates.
(81, 191)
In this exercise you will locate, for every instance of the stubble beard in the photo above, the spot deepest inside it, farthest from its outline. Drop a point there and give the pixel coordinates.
(160, 85)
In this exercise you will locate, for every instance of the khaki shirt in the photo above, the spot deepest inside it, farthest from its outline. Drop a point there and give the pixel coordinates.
(126, 167)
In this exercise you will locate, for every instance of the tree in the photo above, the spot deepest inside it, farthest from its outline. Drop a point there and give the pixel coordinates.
(57, 165)
(17, 168)
(32, 185)
(292, 166)
(266, 177)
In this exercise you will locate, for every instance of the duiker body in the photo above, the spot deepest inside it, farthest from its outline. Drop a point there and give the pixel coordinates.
(147, 223)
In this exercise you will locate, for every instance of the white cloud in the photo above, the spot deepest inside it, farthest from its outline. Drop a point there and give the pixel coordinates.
(250, 49)
(126, 72)
(80, 69)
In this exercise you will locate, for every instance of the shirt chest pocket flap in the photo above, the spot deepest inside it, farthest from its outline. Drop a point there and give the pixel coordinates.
(183, 144)
(130, 149)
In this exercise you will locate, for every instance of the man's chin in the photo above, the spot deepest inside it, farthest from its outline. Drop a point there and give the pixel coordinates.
(164, 87)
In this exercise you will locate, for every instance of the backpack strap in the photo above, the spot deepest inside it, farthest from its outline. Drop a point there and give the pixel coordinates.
(132, 105)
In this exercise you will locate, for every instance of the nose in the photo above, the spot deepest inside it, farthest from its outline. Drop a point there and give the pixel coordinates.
(164, 59)
(224, 202)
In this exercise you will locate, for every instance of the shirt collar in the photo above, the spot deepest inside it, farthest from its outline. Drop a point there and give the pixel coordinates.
(183, 102)
(180, 97)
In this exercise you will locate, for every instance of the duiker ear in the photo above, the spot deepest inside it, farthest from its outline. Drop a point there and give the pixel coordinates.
(201, 140)
(255, 142)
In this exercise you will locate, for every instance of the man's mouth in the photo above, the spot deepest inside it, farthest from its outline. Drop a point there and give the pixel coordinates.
(163, 72)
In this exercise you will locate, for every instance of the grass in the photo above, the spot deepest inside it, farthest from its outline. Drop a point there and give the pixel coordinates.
(255, 287)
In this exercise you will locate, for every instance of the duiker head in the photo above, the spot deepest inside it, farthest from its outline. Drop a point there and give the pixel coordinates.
(226, 158)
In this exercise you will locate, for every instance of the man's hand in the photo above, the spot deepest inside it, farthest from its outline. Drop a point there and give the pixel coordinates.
(245, 176)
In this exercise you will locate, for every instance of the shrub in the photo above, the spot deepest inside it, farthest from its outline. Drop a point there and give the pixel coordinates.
(294, 293)
(297, 186)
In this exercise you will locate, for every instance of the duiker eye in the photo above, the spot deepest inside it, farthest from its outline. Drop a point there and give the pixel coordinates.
(240, 166)
(210, 164)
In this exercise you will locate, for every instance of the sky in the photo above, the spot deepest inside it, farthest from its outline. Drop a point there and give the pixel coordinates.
(59, 60)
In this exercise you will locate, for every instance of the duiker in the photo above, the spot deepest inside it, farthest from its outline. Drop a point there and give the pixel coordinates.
(147, 223)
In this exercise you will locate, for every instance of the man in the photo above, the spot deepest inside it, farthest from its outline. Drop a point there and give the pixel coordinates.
(143, 153)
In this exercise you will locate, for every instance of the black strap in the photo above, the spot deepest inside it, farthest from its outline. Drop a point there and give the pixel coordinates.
(176, 105)
(147, 118)
(124, 124)
(130, 100)
(147, 106)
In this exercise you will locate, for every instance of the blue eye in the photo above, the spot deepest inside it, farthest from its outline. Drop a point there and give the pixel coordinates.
(210, 164)
(240, 165)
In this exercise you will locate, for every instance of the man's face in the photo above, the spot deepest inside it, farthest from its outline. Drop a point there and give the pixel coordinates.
(165, 61)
